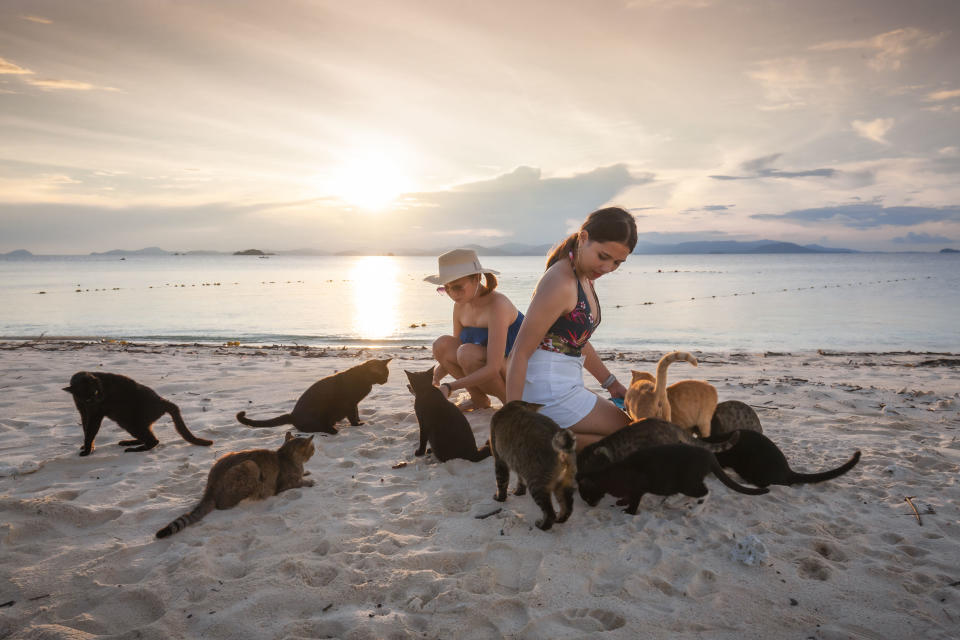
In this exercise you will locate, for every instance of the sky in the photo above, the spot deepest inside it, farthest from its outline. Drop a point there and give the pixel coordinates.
(384, 126)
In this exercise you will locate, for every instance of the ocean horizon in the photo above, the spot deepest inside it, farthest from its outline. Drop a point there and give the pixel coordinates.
(707, 302)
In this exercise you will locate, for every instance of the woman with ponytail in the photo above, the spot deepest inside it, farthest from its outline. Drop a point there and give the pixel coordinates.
(552, 347)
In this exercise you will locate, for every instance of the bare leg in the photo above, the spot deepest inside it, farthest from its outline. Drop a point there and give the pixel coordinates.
(603, 419)
(472, 357)
(445, 353)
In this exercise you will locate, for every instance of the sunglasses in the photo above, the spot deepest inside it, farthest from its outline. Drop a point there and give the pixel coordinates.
(451, 288)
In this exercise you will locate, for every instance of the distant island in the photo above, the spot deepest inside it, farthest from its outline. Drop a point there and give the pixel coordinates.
(732, 247)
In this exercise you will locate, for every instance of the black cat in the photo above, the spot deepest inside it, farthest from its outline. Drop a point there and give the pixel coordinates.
(442, 424)
(759, 461)
(131, 405)
(662, 470)
(330, 399)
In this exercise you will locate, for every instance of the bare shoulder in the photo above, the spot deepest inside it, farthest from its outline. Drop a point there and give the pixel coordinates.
(557, 283)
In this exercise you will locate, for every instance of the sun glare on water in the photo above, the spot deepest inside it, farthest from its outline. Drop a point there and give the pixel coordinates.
(369, 181)
(375, 289)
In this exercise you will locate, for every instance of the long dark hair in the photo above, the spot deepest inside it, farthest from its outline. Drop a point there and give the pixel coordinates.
(611, 224)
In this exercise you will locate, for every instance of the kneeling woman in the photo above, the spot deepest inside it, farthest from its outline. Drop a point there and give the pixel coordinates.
(553, 347)
(485, 324)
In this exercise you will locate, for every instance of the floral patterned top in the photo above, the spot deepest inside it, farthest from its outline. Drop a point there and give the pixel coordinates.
(571, 331)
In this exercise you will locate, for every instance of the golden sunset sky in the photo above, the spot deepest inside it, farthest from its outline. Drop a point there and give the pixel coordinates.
(397, 125)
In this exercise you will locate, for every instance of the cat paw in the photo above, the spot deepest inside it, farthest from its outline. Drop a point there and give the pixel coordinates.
(418, 452)
(86, 452)
(307, 483)
(520, 491)
(544, 523)
(500, 497)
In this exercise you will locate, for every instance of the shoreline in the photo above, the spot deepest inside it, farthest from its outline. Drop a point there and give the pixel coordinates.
(389, 545)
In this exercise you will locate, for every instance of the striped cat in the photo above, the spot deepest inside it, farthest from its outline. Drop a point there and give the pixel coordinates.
(254, 474)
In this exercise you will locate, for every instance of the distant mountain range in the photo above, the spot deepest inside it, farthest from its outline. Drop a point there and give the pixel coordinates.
(509, 249)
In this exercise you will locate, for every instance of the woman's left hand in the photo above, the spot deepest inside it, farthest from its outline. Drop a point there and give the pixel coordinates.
(445, 389)
(617, 390)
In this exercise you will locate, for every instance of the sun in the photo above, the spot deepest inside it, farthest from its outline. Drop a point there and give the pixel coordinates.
(370, 180)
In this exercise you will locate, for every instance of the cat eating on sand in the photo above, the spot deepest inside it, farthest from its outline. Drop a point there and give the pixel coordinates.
(254, 474)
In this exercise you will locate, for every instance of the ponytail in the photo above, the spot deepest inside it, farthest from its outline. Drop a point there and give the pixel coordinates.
(490, 283)
(563, 249)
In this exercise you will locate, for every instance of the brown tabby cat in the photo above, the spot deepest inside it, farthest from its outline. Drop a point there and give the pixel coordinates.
(330, 400)
(131, 405)
(646, 433)
(733, 415)
(540, 452)
(254, 474)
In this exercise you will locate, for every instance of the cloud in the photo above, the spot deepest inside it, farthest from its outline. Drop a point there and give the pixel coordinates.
(938, 96)
(37, 19)
(54, 84)
(920, 238)
(10, 68)
(865, 216)
(888, 49)
(785, 82)
(875, 130)
(760, 168)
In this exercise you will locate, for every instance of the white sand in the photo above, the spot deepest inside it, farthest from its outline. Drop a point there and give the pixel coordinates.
(377, 552)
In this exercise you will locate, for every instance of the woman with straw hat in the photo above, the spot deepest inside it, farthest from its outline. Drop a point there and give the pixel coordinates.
(485, 324)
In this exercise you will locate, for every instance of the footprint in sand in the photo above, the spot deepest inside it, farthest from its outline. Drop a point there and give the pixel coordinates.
(514, 571)
(573, 623)
(813, 569)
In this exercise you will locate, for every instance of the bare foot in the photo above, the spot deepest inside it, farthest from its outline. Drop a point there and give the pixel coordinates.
(473, 404)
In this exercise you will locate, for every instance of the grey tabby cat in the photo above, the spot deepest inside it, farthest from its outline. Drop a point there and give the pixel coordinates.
(540, 452)
(733, 415)
(254, 474)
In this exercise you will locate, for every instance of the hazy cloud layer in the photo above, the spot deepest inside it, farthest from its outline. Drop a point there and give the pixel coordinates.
(866, 216)
(921, 238)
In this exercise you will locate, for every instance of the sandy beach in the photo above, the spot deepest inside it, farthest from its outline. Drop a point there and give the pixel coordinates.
(373, 551)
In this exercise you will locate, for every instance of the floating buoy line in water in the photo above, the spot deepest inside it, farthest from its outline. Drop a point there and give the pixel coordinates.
(768, 292)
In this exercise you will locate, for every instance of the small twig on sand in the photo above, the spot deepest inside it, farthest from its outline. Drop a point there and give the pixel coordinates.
(46, 595)
(487, 515)
(915, 512)
(8, 603)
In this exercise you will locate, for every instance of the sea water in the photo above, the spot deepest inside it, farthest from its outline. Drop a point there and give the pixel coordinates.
(861, 302)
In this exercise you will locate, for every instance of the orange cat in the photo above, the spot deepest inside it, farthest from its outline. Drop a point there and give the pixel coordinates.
(687, 403)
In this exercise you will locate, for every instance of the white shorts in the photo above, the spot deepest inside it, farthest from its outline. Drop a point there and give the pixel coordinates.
(555, 380)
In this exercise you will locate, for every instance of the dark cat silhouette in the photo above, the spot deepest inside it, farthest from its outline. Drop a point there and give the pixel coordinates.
(759, 461)
(442, 424)
(645, 433)
(541, 454)
(733, 415)
(662, 470)
(330, 399)
(254, 474)
(131, 405)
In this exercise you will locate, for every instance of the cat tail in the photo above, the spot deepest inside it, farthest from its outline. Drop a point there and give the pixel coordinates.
(721, 446)
(564, 441)
(727, 480)
(483, 452)
(802, 478)
(206, 506)
(286, 418)
(660, 386)
(181, 426)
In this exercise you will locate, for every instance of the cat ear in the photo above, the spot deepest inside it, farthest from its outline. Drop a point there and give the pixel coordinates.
(603, 452)
(287, 437)
(534, 406)
(68, 389)
(310, 439)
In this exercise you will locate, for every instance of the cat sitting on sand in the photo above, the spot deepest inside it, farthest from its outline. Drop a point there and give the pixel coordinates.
(131, 405)
(688, 404)
(540, 452)
(254, 474)
(330, 400)
(442, 425)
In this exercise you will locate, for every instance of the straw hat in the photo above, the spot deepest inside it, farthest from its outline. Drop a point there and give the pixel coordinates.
(457, 264)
